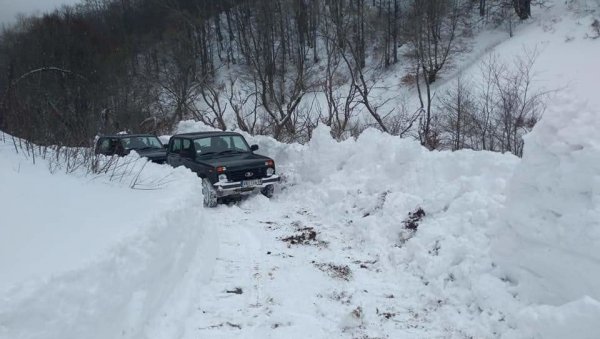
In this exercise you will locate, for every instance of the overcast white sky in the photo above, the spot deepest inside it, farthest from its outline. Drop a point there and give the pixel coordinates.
(10, 8)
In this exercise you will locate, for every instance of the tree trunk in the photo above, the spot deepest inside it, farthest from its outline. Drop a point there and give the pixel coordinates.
(522, 8)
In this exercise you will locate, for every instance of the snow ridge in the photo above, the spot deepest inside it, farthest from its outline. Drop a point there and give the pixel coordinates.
(115, 296)
(115, 288)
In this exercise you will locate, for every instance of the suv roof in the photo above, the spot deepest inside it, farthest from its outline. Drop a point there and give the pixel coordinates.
(195, 135)
(127, 135)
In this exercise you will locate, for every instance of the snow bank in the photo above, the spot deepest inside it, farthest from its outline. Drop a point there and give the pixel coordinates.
(545, 233)
(577, 319)
(376, 181)
(367, 187)
(351, 174)
(115, 296)
(88, 257)
(550, 241)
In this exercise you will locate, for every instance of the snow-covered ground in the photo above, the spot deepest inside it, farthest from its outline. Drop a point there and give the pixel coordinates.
(81, 254)
(506, 248)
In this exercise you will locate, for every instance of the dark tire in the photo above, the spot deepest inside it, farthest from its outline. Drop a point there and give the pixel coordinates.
(267, 191)
(210, 195)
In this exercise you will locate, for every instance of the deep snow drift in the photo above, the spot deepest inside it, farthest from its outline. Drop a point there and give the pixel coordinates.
(549, 235)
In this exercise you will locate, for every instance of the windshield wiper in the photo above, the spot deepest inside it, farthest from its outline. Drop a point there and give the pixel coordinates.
(221, 152)
(232, 151)
(206, 153)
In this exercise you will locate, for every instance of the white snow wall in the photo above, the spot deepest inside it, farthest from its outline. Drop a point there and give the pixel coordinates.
(116, 296)
(549, 240)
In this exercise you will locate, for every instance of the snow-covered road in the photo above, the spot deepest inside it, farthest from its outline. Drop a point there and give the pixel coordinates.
(264, 284)
(281, 268)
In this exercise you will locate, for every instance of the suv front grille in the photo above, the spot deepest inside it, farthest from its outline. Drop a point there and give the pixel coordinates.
(240, 175)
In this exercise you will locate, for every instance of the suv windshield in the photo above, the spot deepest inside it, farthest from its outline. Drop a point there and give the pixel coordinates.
(141, 142)
(222, 144)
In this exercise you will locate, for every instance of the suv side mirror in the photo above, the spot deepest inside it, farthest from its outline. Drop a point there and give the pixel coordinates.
(254, 148)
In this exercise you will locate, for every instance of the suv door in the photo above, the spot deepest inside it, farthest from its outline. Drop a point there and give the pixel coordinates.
(102, 146)
(187, 154)
(173, 156)
(109, 146)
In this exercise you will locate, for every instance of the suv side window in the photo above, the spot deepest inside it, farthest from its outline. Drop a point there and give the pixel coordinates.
(239, 143)
(103, 146)
(187, 144)
(201, 144)
(187, 149)
(175, 146)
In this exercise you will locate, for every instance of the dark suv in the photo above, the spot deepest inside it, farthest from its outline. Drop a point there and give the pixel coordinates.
(146, 145)
(227, 165)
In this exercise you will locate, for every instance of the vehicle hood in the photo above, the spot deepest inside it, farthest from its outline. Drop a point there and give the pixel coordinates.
(236, 161)
(152, 153)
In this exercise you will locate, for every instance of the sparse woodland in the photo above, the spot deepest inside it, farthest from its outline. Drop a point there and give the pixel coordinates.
(273, 67)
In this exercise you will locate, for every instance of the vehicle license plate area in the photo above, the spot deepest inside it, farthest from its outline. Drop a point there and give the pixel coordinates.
(251, 183)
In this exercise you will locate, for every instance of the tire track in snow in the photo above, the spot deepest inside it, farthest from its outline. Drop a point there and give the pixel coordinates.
(260, 286)
(236, 299)
(263, 287)
(234, 293)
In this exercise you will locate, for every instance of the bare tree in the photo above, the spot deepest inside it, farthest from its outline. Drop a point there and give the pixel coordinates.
(278, 64)
(244, 104)
(520, 107)
(433, 31)
(457, 109)
(341, 96)
(401, 122)
(522, 8)
(486, 105)
(212, 94)
(364, 79)
(499, 111)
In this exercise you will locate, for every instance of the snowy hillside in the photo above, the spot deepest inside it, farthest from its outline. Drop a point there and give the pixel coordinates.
(369, 238)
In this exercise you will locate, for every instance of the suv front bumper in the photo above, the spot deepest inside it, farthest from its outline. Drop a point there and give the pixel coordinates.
(224, 189)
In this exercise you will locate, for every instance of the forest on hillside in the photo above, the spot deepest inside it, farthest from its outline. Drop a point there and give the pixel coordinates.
(272, 67)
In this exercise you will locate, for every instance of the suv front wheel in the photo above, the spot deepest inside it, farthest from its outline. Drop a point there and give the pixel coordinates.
(267, 191)
(210, 195)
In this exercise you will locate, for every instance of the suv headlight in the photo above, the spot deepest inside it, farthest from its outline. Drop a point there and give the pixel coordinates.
(270, 171)
(223, 177)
